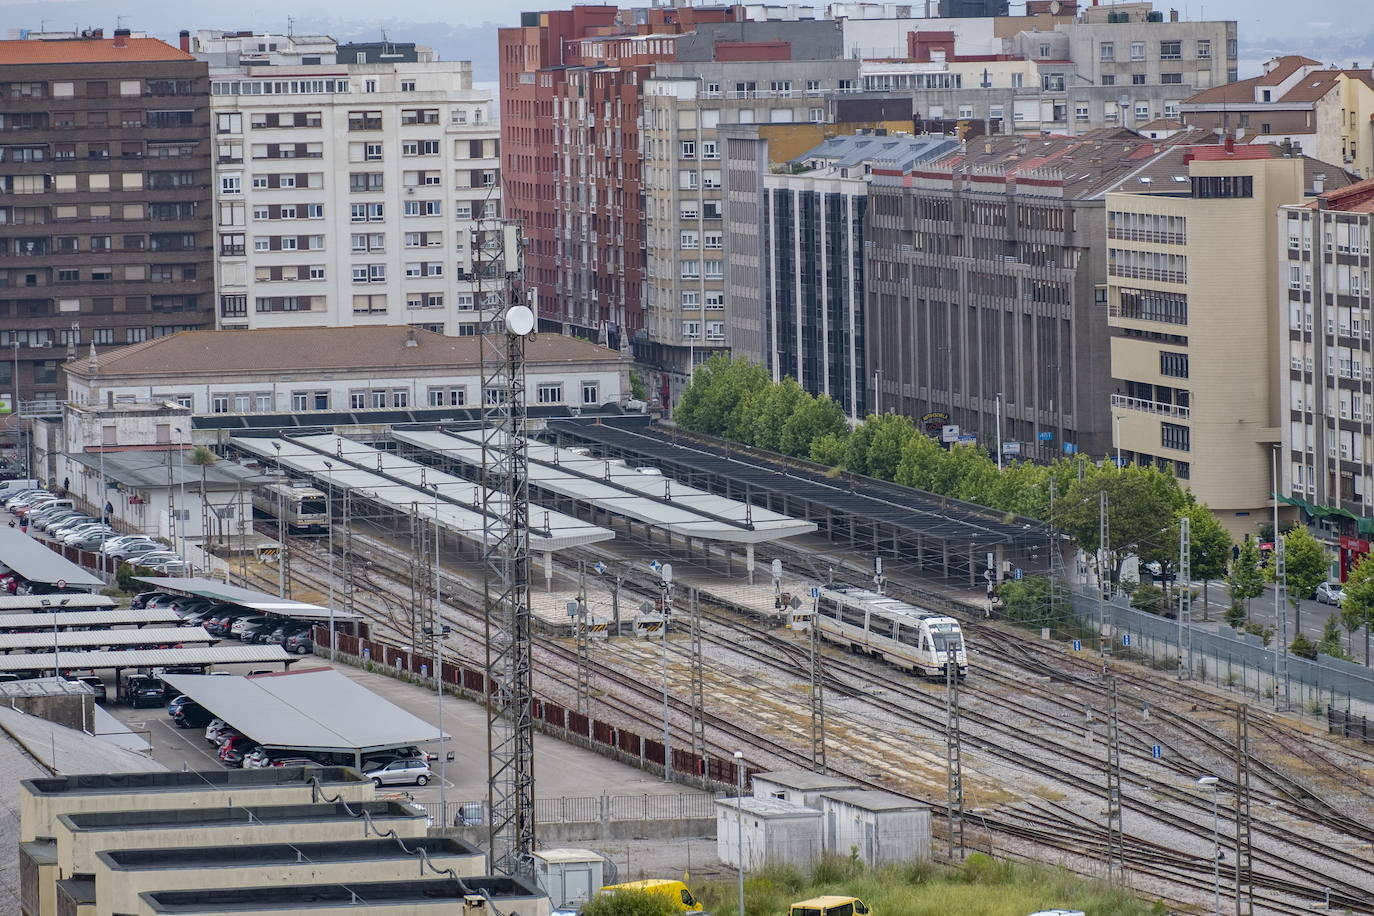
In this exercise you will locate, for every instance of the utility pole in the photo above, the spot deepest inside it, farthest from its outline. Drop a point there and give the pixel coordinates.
(348, 552)
(1185, 599)
(1281, 619)
(584, 649)
(1245, 888)
(698, 681)
(1116, 844)
(1056, 561)
(954, 773)
(1103, 577)
(817, 694)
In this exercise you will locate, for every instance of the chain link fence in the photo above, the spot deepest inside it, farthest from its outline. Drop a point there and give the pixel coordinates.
(585, 809)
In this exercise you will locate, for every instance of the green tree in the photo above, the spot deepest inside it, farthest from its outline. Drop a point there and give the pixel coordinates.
(1235, 614)
(1148, 598)
(1357, 600)
(829, 449)
(770, 408)
(1026, 600)
(1307, 564)
(814, 418)
(1246, 579)
(203, 458)
(629, 903)
(720, 386)
(1303, 647)
(1330, 643)
(1209, 548)
(1138, 499)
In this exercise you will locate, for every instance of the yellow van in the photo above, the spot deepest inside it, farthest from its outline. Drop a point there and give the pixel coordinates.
(675, 891)
(830, 906)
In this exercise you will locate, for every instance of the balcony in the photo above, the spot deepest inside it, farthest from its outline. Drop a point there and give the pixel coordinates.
(1155, 407)
(1148, 235)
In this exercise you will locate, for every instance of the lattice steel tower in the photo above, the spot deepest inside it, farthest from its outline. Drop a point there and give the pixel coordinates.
(506, 551)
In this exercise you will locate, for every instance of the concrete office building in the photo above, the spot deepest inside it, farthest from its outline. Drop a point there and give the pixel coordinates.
(985, 273)
(353, 193)
(804, 229)
(1326, 362)
(1323, 111)
(104, 201)
(1195, 332)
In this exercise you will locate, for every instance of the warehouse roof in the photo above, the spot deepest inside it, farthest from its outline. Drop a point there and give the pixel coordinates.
(244, 597)
(37, 563)
(319, 709)
(147, 658)
(308, 349)
(616, 487)
(150, 636)
(405, 485)
(131, 617)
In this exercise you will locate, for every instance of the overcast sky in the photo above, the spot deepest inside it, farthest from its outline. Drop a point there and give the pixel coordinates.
(1331, 30)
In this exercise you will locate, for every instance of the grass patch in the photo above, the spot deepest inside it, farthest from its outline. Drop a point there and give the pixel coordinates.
(981, 886)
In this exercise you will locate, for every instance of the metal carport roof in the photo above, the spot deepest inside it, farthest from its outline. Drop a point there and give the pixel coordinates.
(64, 638)
(149, 658)
(405, 485)
(37, 563)
(245, 597)
(67, 619)
(39, 602)
(615, 487)
(318, 709)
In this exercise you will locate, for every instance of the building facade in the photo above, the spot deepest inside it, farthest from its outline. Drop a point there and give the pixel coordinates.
(356, 194)
(1327, 361)
(1194, 330)
(105, 201)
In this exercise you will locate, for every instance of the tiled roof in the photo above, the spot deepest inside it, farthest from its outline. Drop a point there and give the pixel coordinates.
(1355, 198)
(305, 349)
(1167, 173)
(1244, 90)
(88, 51)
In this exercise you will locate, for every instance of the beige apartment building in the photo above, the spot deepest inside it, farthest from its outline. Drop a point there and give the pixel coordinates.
(1190, 289)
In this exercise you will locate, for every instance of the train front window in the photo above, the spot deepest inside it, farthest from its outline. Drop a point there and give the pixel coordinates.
(315, 506)
(946, 641)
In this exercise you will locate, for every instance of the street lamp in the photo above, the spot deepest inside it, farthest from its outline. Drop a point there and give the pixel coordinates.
(329, 503)
(281, 527)
(1210, 782)
(48, 604)
(1118, 440)
(181, 484)
(438, 635)
(666, 583)
(999, 430)
(739, 824)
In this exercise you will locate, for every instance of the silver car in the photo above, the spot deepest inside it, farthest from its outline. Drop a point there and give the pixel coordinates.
(401, 772)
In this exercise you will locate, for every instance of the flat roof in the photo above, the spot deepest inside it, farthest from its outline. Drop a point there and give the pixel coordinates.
(35, 602)
(319, 709)
(35, 562)
(804, 779)
(231, 814)
(616, 487)
(148, 658)
(765, 807)
(144, 782)
(874, 800)
(67, 750)
(300, 898)
(148, 636)
(270, 854)
(42, 687)
(244, 597)
(164, 467)
(131, 617)
(405, 485)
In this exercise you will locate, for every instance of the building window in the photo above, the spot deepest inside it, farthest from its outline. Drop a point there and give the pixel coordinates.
(1224, 186)
(710, 149)
(690, 241)
(1173, 365)
(219, 404)
(1109, 80)
(1142, 111)
(1107, 51)
(231, 184)
(1137, 50)
(591, 393)
(550, 394)
(691, 330)
(1171, 50)
(1173, 436)
(1171, 79)
(1080, 113)
(715, 330)
(687, 149)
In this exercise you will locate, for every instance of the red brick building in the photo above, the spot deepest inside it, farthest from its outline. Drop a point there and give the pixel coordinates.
(570, 90)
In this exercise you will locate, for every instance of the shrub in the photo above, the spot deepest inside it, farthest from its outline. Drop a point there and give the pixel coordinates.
(629, 903)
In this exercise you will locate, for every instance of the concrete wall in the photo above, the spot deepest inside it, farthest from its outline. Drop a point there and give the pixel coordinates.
(771, 840)
(877, 837)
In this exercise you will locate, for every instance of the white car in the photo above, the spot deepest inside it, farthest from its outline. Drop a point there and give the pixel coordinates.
(215, 729)
(401, 772)
(1330, 593)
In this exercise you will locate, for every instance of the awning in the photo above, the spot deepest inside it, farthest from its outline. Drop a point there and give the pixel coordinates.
(245, 597)
(37, 563)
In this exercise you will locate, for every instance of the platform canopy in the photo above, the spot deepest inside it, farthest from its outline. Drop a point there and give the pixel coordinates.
(317, 709)
(88, 638)
(35, 562)
(244, 597)
(147, 658)
(71, 619)
(409, 486)
(618, 488)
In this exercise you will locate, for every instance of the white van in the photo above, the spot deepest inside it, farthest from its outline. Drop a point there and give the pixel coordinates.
(10, 487)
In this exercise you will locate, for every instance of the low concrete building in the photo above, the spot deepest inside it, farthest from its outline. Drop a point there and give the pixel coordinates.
(122, 875)
(442, 897)
(767, 831)
(879, 827)
(798, 787)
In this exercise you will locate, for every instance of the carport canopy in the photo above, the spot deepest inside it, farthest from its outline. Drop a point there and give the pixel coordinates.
(245, 597)
(317, 709)
(147, 658)
(37, 563)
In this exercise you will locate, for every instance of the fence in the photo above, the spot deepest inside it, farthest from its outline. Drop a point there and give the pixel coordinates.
(587, 809)
(566, 724)
(1340, 722)
(1229, 658)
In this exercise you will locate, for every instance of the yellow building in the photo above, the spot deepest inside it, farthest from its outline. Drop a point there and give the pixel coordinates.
(1195, 338)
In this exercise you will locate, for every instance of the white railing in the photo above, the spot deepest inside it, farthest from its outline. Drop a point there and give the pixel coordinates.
(1155, 407)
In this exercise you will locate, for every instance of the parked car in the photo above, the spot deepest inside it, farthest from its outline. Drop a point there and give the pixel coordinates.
(191, 715)
(141, 690)
(406, 771)
(85, 532)
(45, 520)
(284, 631)
(232, 752)
(1330, 593)
(214, 729)
(255, 631)
(176, 702)
(302, 642)
(237, 627)
(97, 685)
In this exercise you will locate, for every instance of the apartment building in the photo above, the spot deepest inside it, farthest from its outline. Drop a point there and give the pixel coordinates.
(104, 201)
(1326, 362)
(985, 273)
(356, 194)
(1324, 112)
(1195, 334)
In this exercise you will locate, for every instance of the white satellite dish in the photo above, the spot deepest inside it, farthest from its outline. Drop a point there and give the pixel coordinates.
(519, 320)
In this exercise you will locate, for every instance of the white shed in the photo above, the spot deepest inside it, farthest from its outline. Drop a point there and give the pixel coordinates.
(881, 827)
(773, 832)
(800, 787)
(569, 876)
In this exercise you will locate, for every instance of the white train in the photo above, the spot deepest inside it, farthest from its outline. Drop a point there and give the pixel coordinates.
(907, 636)
(306, 509)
